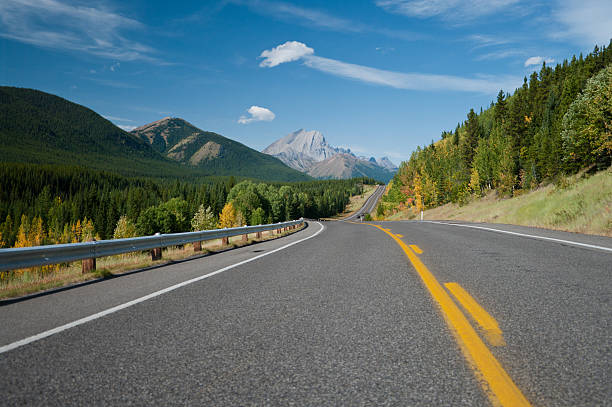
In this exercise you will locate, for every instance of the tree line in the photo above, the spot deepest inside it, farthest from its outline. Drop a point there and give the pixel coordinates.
(47, 204)
(557, 123)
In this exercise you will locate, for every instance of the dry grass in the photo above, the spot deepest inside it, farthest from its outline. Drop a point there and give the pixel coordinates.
(28, 281)
(576, 204)
(356, 202)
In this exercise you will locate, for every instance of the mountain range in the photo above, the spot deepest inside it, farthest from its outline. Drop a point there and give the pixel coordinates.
(38, 127)
(180, 141)
(309, 152)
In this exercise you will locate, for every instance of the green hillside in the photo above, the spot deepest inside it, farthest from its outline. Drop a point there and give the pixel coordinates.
(212, 153)
(40, 128)
(37, 127)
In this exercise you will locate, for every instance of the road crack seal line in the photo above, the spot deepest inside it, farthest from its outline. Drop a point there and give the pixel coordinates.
(496, 383)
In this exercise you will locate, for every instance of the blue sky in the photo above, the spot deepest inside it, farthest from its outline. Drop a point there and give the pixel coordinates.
(377, 76)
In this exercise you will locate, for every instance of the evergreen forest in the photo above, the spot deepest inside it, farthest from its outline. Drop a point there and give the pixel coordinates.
(559, 122)
(50, 204)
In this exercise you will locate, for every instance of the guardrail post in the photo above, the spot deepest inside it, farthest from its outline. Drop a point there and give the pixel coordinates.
(88, 265)
(197, 246)
(156, 253)
(225, 241)
(258, 235)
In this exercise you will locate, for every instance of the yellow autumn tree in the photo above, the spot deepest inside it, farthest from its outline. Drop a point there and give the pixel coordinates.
(475, 181)
(88, 232)
(418, 192)
(76, 232)
(31, 233)
(227, 218)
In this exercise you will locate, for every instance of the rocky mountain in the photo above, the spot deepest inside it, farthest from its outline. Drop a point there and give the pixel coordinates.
(308, 151)
(385, 162)
(180, 141)
(302, 149)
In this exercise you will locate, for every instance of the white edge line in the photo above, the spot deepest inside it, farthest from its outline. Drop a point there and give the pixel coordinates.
(101, 314)
(552, 239)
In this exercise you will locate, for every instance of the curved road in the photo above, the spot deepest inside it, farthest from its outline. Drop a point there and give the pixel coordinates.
(337, 314)
(369, 204)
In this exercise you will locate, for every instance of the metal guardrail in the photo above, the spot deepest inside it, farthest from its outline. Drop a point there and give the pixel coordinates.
(24, 257)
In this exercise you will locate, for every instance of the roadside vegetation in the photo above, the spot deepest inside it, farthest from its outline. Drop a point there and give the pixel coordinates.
(555, 130)
(44, 204)
(580, 203)
(27, 281)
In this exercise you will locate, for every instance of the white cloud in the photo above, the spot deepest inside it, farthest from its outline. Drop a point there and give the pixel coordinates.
(287, 52)
(59, 25)
(455, 9)
(538, 61)
(588, 22)
(115, 66)
(258, 114)
(126, 128)
(400, 80)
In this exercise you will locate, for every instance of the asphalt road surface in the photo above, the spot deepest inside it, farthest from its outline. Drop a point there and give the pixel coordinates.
(348, 314)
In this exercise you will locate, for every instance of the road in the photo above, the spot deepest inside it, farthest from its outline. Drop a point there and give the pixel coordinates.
(337, 314)
(369, 204)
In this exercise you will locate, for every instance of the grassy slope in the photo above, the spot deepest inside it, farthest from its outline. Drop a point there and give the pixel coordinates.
(584, 206)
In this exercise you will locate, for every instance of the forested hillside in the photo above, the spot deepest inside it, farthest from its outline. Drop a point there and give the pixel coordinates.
(37, 127)
(558, 122)
(55, 204)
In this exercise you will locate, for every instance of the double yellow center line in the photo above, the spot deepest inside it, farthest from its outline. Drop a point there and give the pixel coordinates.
(497, 384)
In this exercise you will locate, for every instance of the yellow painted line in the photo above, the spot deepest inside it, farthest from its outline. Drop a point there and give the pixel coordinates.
(416, 248)
(398, 235)
(498, 385)
(483, 318)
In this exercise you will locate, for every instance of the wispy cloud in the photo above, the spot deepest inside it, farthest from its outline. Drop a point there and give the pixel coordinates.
(538, 61)
(126, 128)
(398, 80)
(61, 25)
(118, 119)
(482, 41)
(587, 22)
(502, 54)
(257, 114)
(113, 83)
(455, 9)
(316, 18)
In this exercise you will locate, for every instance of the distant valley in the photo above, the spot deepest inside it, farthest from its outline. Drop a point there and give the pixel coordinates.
(309, 152)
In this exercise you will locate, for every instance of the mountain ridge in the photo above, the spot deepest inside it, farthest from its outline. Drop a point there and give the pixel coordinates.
(41, 128)
(180, 141)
